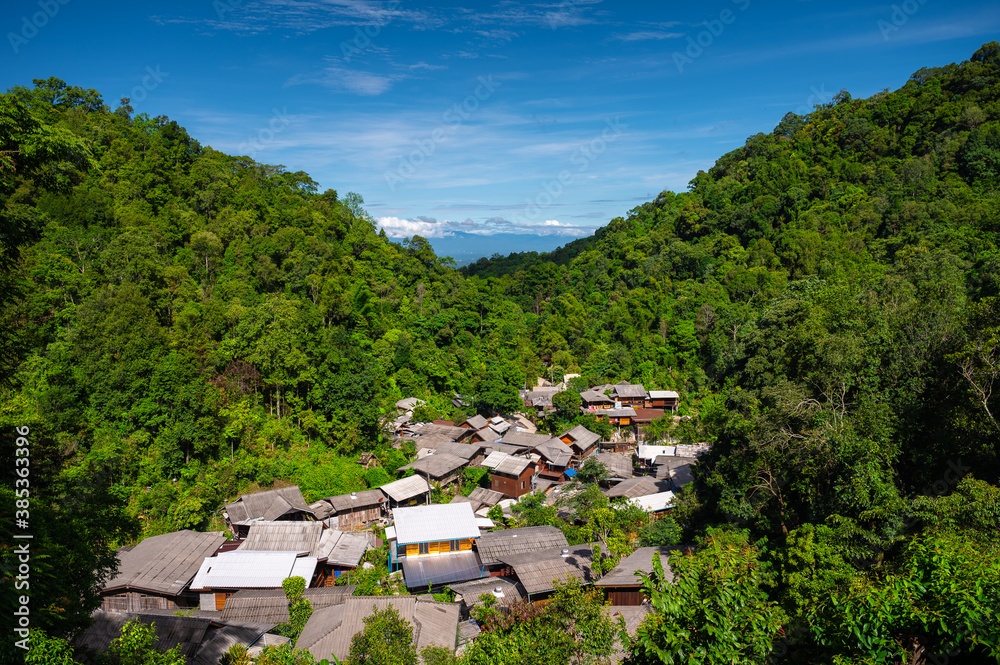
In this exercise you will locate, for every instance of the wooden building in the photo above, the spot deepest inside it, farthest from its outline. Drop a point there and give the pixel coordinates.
(628, 394)
(433, 544)
(354, 510)
(621, 586)
(662, 399)
(155, 574)
(441, 468)
(554, 457)
(538, 570)
(509, 475)
(279, 504)
(221, 576)
(591, 400)
(494, 546)
(407, 491)
(582, 442)
(620, 417)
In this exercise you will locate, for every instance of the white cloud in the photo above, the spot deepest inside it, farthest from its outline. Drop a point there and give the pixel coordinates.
(429, 227)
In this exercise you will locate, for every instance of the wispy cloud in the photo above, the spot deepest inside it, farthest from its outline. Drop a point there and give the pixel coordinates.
(352, 81)
(646, 35)
(430, 227)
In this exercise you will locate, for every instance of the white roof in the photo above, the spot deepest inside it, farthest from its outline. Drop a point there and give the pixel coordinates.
(652, 452)
(484, 522)
(493, 459)
(390, 533)
(663, 394)
(405, 489)
(252, 570)
(434, 523)
(654, 502)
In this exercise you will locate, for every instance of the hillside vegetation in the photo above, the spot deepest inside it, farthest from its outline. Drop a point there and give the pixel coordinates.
(180, 325)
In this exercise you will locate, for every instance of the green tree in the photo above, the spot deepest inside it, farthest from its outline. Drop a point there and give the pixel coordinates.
(711, 609)
(387, 639)
(137, 646)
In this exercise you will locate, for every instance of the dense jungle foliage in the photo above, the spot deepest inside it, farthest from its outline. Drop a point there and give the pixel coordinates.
(181, 325)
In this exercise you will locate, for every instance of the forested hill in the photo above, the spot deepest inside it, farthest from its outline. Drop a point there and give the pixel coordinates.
(180, 325)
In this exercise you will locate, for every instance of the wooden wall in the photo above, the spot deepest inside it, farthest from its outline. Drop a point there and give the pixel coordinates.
(441, 547)
(136, 601)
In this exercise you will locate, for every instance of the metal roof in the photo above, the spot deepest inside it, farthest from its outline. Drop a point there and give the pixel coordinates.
(618, 465)
(283, 537)
(485, 496)
(164, 564)
(663, 394)
(629, 390)
(224, 638)
(623, 412)
(348, 503)
(582, 437)
(271, 605)
(348, 549)
(471, 591)
(477, 422)
(652, 452)
(641, 560)
(528, 439)
(514, 466)
(252, 570)
(405, 489)
(653, 503)
(555, 451)
(495, 545)
(539, 570)
(268, 505)
(171, 631)
(434, 523)
(437, 465)
(634, 487)
(421, 571)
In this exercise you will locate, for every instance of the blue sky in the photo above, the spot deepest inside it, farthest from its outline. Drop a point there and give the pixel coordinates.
(469, 122)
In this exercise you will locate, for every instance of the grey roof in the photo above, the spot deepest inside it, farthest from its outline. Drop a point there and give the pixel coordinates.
(509, 464)
(528, 439)
(625, 411)
(252, 570)
(437, 465)
(269, 505)
(555, 451)
(421, 571)
(692, 449)
(496, 545)
(641, 560)
(618, 465)
(348, 503)
(477, 422)
(171, 631)
(224, 638)
(485, 496)
(537, 571)
(471, 591)
(629, 390)
(344, 549)
(451, 431)
(164, 564)
(458, 498)
(271, 605)
(409, 403)
(321, 509)
(405, 489)
(582, 437)
(329, 631)
(594, 396)
(283, 537)
(434, 523)
(635, 487)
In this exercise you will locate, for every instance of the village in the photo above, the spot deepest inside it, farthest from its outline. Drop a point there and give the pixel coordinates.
(208, 591)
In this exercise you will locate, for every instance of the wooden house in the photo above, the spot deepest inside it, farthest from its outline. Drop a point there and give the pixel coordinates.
(554, 457)
(620, 417)
(509, 475)
(155, 574)
(407, 491)
(476, 422)
(636, 487)
(643, 418)
(354, 510)
(441, 468)
(368, 461)
(271, 605)
(591, 400)
(467, 594)
(335, 551)
(621, 586)
(433, 544)
(581, 441)
(662, 399)
(279, 504)
(628, 394)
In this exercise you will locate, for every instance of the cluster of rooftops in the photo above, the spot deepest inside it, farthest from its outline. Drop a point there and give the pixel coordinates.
(229, 588)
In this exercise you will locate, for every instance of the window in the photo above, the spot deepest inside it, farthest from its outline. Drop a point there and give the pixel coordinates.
(455, 545)
(423, 548)
(522, 484)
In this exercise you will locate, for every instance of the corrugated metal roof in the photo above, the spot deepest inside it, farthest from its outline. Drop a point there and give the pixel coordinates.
(249, 570)
(582, 437)
(171, 631)
(513, 465)
(493, 546)
(493, 459)
(271, 605)
(164, 564)
(283, 537)
(633, 487)
(485, 496)
(663, 394)
(652, 452)
(437, 465)
(617, 464)
(224, 638)
(477, 422)
(528, 439)
(471, 591)
(537, 571)
(352, 501)
(555, 451)
(405, 489)
(348, 550)
(623, 412)
(434, 523)
(641, 560)
(654, 502)
(268, 505)
(629, 390)
(317, 635)
(421, 571)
